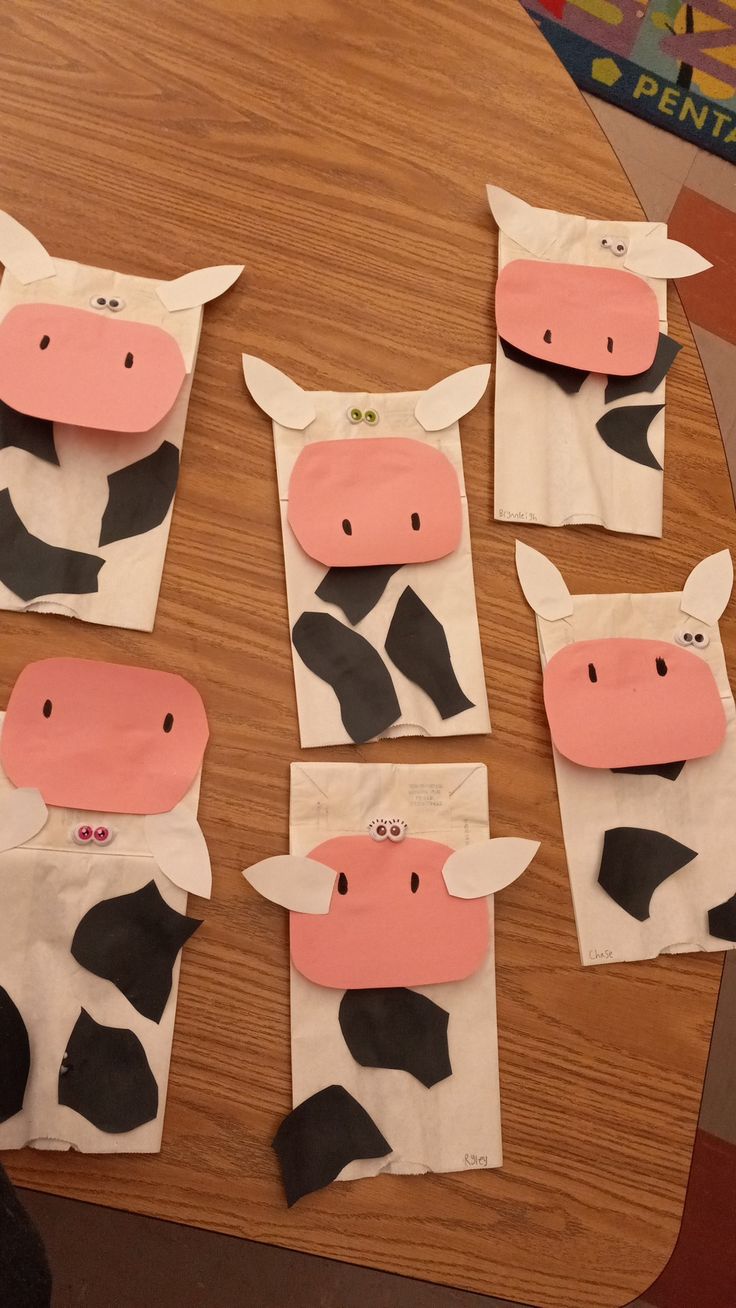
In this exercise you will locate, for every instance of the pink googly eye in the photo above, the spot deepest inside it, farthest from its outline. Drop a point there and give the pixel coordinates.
(82, 835)
(102, 835)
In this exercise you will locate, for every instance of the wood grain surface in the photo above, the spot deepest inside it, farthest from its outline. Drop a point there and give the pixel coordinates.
(341, 151)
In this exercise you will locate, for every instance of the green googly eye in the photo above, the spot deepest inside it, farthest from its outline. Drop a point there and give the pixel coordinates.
(371, 417)
(355, 415)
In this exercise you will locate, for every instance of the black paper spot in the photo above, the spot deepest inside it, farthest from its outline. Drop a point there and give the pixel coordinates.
(168, 723)
(342, 884)
(592, 674)
(625, 431)
(568, 379)
(618, 388)
(661, 667)
(355, 671)
(140, 495)
(15, 1058)
(397, 1028)
(129, 360)
(133, 940)
(356, 590)
(35, 435)
(417, 644)
(609, 344)
(670, 771)
(416, 522)
(31, 568)
(106, 1078)
(722, 920)
(44, 342)
(347, 526)
(320, 1137)
(635, 861)
(47, 709)
(548, 337)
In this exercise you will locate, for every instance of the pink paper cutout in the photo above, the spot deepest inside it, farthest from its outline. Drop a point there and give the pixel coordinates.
(380, 932)
(600, 320)
(79, 376)
(650, 702)
(98, 736)
(362, 502)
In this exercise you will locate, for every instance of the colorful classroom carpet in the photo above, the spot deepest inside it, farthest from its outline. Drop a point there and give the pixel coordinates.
(671, 63)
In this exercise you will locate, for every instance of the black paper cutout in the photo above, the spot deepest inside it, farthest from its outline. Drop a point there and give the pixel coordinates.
(397, 1028)
(568, 379)
(320, 1137)
(722, 920)
(35, 435)
(31, 568)
(15, 1058)
(133, 940)
(670, 771)
(355, 671)
(106, 1077)
(417, 644)
(140, 495)
(625, 431)
(618, 388)
(356, 590)
(635, 861)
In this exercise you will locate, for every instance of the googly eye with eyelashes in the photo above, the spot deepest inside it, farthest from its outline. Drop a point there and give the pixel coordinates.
(396, 829)
(692, 639)
(378, 829)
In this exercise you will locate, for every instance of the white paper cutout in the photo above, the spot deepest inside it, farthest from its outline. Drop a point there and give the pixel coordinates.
(300, 884)
(280, 397)
(486, 868)
(22, 253)
(450, 399)
(177, 843)
(534, 229)
(542, 583)
(23, 814)
(708, 588)
(659, 256)
(194, 289)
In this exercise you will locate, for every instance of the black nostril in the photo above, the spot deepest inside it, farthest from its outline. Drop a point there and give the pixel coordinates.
(414, 882)
(661, 667)
(609, 346)
(342, 884)
(592, 672)
(347, 526)
(415, 522)
(129, 360)
(47, 708)
(548, 336)
(44, 342)
(168, 722)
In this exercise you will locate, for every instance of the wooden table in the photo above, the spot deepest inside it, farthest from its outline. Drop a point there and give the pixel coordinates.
(341, 151)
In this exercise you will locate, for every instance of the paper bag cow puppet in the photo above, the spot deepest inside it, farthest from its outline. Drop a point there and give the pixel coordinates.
(379, 574)
(390, 887)
(582, 356)
(99, 845)
(643, 727)
(95, 373)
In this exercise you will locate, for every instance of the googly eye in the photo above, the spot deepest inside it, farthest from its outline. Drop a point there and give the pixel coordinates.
(606, 242)
(82, 835)
(102, 835)
(98, 302)
(355, 415)
(378, 829)
(396, 830)
(620, 248)
(115, 303)
(371, 417)
(692, 639)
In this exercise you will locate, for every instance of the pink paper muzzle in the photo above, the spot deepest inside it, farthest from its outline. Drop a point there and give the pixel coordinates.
(382, 500)
(391, 921)
(624, 703)
(103, 736)
(87, 369)
(602, 320)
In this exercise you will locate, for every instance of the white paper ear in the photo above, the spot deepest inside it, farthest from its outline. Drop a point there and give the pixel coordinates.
(656, 255)
(22, 252)
(534, 229)
(179, 848)
(300, 884)
(487, 867)
(23, 814)
(195, 288)
(542, 583)
(280, 397)
(447, 401)
(708, 588)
